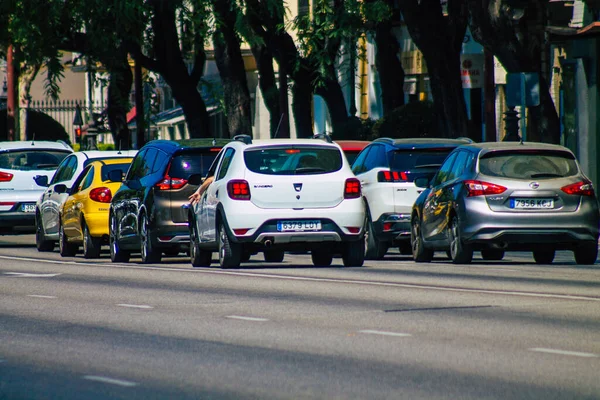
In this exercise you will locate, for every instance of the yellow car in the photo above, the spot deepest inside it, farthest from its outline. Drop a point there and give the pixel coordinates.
(84, 215)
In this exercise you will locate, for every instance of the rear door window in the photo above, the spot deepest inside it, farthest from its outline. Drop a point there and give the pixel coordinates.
(528, 164)
(293, 160)
(192, 162)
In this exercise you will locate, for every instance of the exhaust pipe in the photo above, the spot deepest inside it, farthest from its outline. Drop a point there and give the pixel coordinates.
(268, 242)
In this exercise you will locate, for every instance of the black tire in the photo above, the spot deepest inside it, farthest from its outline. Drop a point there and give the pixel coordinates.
(405, 248)
(321, 258)
(91, 245)
(460, 252)
(353, 254)
(149, 253)
(230, 254)
(419, 251)
(41, 242)
(587, 253)
(492, 254)
(543, 256)
(246, 255)
(65, 248)
(198, 256)
(116, 253)
(375, 249)
(274, 255)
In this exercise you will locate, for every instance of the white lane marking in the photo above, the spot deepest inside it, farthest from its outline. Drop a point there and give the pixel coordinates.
(384, 333)
(247, 318)
(41, 296)
(306, 279)
(112, 381)
(143, 306)
(564, 352)
(28, 275)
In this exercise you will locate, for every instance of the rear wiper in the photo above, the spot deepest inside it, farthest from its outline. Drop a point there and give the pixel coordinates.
(546, 175)
(427, 166)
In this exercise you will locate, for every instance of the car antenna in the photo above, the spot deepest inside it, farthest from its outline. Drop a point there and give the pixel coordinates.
(278, 126)
(33, 139)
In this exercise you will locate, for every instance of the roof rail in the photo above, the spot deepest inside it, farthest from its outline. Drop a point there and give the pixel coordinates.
(385, 140)
(246, 139)
(323, 136)
(467, 139)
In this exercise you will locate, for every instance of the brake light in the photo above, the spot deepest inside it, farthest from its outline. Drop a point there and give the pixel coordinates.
(171, 183)
(352, 188)
(101, 195)
(238, 189)
(5, 177)
(240, 232)
(392, 176)
(583, 188)
(479, 188)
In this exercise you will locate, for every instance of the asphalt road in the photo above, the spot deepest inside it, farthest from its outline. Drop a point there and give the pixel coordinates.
(72, 328)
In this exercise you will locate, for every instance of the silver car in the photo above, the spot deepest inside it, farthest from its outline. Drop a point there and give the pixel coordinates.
(506, 196)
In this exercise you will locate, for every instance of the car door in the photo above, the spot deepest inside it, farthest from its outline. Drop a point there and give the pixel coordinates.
(51, 201)
(125, 203)
(436, 206)
(216, 190)
(72, 207)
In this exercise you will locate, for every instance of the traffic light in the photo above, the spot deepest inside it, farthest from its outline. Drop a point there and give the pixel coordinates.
(78, 132)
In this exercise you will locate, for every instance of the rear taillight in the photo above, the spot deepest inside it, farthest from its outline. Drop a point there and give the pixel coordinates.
(479, 188)
(5, 177)
(583, 188)
(238, 189)
(392, 176)
(101, 195)
(171, 183)
(352, 188)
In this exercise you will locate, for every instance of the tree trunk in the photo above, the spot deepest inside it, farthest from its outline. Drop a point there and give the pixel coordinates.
(440, 38)
(519, 44)
(302, 107)
(336, 104)
(268, 87)
(230, 62)
(389, 67)
(119, 87)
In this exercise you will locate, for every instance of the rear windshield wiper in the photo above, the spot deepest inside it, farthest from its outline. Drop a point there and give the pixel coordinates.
(427, 166)
(546, 175)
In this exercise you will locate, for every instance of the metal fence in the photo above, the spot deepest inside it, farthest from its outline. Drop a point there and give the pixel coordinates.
(63, 111)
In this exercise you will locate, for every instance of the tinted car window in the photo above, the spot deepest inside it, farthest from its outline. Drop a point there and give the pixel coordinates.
(227, 157)
(293, 160)
(161, 161)
(459, 165)
(136, 165)
(528, 164)
(418, 162)
(66, 170)
(78, 182)
(358, 164)
(376, 158)
(185, 164)
(445, 170)
(106, 169)
(27, 160)
(87, 182)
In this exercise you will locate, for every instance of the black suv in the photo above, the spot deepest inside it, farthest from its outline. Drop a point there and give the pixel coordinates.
(387, 169)
(148, 214)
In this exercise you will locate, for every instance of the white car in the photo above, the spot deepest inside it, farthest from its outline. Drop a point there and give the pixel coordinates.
(48, 205)
(20, 163)
(279, 195)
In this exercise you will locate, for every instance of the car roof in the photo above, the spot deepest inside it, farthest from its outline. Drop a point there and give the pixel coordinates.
(411, 143)
(492, 146)
(173, 145)
(37, 144)
(112, 160)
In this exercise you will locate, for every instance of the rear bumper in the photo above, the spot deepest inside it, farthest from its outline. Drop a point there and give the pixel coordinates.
(16, 223)
(391, 227)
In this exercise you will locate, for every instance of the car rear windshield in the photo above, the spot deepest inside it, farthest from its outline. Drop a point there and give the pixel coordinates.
(293, 160)
(528, 164)
(27, 160)
(418, 162)
(106, 169)
(192, 162)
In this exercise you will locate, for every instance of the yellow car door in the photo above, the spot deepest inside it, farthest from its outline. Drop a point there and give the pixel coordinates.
(74, 204)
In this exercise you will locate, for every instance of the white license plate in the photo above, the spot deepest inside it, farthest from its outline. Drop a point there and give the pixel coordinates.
(531, 203)
(28, 208)
(295, 226)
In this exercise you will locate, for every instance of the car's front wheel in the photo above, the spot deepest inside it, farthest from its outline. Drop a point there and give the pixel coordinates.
(230, 254)
(116, 253)
(353, 253)
(66, 249)
(375, 249)
(41, 242)
(91, 245)
(149, 253)
(587, 253)
(419, 251)
(460, 252)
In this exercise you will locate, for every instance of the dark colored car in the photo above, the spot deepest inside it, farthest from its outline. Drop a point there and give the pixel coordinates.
(507, 196)
(387, 169)
(149, 214)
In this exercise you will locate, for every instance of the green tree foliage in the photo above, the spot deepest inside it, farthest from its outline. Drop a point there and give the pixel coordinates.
(412, 120)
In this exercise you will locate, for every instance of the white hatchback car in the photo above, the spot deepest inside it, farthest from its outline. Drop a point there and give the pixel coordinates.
(275, 196)
(21, 162)
(48, 205)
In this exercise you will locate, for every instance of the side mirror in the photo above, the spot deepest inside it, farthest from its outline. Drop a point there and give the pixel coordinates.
(422, 182)
(195, 179)
(41, 180)
(115, 175)
(61, 188)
